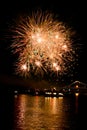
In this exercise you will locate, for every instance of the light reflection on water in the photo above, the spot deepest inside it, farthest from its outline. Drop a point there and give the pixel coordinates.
(44, 113)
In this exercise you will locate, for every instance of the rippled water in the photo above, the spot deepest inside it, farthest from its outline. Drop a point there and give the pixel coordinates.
(47, 113)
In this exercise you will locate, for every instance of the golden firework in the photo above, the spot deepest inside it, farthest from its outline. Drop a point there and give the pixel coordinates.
(43, 44)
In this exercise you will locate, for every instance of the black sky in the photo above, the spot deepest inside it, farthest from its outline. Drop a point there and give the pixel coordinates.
(72, 12)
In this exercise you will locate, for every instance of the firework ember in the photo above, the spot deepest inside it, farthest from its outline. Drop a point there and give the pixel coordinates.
(43, 45)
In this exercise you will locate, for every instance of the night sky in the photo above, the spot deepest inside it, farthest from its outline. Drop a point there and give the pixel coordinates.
(72, 12)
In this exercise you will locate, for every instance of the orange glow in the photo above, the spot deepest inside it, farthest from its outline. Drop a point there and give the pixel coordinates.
(76, 94)
(77, 86)
(42, 42)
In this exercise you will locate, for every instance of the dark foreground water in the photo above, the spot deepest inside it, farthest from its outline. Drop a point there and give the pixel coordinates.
(25, 112)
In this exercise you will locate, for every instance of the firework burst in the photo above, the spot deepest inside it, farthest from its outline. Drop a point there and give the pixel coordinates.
(43, 45)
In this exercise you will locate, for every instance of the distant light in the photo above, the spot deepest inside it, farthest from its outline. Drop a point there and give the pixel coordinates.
(54, 93)
(15, 91)
(37, 93)
(76, 94)
(48, 93)
(60, 97)
(77, 86)
(60, 94)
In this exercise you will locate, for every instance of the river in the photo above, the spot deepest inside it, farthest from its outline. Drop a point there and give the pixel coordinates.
(49, 113)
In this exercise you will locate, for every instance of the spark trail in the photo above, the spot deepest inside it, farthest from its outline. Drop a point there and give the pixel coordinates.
(43, 44)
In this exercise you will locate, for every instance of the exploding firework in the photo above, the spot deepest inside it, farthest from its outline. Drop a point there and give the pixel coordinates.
(43, 45)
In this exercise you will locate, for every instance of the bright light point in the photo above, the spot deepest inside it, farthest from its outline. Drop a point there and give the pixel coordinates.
(39, 40)
(54, 93)
(38, 63)
(55, 65)
(56, 36)
(77, 86)
(57, 68)
(76, 94)
(64, 47)
(24, 67)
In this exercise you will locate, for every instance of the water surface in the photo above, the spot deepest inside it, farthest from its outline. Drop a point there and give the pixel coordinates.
(49, 113)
